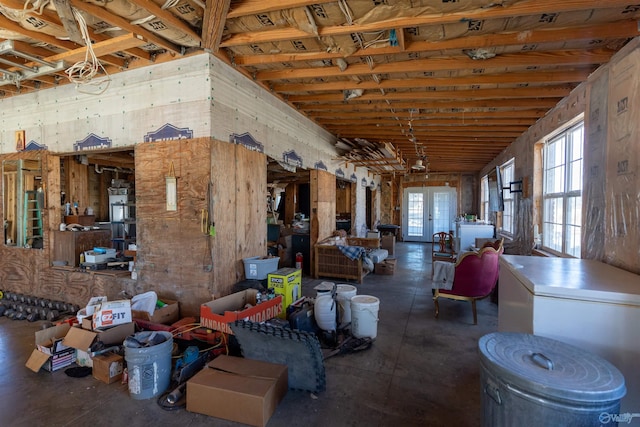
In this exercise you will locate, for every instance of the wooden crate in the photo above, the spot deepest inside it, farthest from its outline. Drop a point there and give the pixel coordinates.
(330, 262)
(365, 242)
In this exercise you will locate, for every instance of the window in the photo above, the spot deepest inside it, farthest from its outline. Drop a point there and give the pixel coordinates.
(506, 170)
(484, 198)
(562, 191)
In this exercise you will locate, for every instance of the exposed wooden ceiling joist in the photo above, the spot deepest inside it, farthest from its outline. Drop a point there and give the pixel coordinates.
(321, 58)
(584, 32)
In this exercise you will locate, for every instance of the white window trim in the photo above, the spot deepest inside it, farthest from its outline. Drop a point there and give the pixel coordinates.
(565, 195)
(484, 198)
(508, 197)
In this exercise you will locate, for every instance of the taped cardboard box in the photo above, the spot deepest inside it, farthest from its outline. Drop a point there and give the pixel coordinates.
(217, 314)
(51, 353)
(112, 313)
(388, 243)
(166, 315)
(108, 367)
(386, 267)
(242, 390)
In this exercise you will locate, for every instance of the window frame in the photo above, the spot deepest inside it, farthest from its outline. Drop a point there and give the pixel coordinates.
(569, 197)
(484, 198)
(508, 214)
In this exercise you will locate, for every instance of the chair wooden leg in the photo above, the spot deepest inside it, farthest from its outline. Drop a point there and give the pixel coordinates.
(475, 313)
(435, 302)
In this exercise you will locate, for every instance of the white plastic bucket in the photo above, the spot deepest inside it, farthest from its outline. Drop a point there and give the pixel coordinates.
(344, 293)
(364, 316)
(324, 311)
(149, 367)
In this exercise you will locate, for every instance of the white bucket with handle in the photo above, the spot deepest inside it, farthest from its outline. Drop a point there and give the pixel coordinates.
(364, 316)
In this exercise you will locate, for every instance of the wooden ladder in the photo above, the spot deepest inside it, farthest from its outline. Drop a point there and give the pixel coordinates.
(32, 217)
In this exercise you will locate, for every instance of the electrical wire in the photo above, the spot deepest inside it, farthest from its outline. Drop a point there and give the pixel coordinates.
(169, 4)
(83, 73)
(38, 6)
(345, 10)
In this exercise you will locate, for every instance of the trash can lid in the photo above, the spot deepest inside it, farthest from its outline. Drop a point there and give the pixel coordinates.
(550, 368)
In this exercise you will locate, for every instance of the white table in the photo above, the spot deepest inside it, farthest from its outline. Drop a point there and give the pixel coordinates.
(585, 303)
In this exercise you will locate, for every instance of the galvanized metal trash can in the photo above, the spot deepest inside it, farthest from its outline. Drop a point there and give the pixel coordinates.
(528, 380)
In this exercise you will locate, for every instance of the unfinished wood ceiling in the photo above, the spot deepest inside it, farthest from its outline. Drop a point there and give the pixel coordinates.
(450, 83)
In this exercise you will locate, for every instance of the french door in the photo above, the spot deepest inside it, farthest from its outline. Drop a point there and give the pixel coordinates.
(427, 210)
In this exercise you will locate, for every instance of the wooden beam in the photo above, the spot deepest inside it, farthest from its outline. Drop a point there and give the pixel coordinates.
(390, 122)
(457, 106)
(352, 127)
(404, 116)
(569, 76)
(621, 29)
(7, 24)
(63, 9)
(117, 21)
(523, 60)
(423, 135)
(215, 15)
(526, 92)
(402, 45)
(254, 7)
(102, 48)
(521, 8)
(169, 18)
(54, 20)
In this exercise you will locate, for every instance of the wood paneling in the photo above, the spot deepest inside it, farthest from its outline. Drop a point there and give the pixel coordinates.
(176, 257)
(172, 251)
(323, 207)
(251, 204)
(77, 183)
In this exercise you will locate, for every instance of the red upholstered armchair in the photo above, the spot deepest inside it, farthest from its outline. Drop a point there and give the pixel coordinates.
(476, 275)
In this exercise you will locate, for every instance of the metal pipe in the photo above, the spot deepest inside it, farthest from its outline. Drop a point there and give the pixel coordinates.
(9, 73)
(30, 57)
(14, 64)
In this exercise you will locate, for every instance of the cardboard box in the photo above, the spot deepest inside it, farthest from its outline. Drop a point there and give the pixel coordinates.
(112, 313)
(386, 267)
(388, 243)
(82, 339)
(242, 390)
(108, 367)
(288, 283)
(217, 314)
(51, 353)
(166, 315)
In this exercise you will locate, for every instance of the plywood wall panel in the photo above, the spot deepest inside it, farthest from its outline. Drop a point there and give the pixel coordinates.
(18, 271)
(53, 214)
(77, 184)
(323, 204)
(251, 204)
(78, 287)
(168, 240)
(53, 285)
(108, 286)
(226, 267)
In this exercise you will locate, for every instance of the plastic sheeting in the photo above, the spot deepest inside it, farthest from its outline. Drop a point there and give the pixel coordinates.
(622, 231)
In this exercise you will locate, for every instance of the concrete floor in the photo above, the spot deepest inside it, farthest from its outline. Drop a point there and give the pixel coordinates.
(420, 371)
